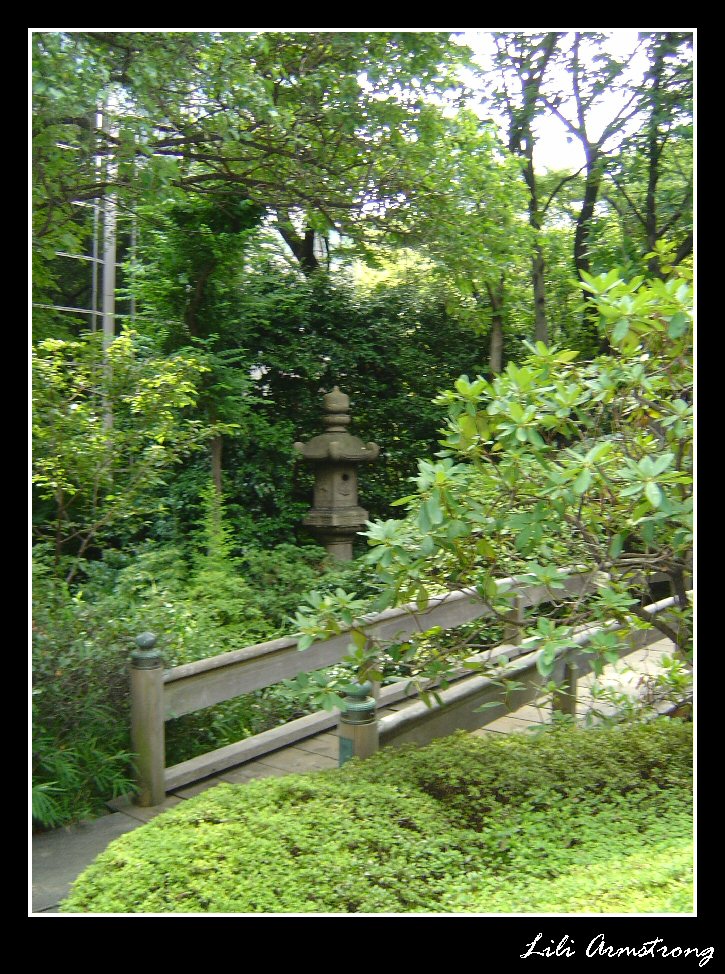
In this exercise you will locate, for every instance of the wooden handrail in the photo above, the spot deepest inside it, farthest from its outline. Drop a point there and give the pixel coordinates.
(193, 686)
(459, 706)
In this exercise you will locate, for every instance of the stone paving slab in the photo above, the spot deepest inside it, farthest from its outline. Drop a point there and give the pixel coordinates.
(191, 791)
(534, 714)
(127, 807)
(293, 760)
(508, 724)
(327, 744)
(61, 855)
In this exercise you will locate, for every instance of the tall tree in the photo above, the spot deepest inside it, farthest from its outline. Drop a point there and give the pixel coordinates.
(469, 222)
(523, 60)
(594, 75)
(316, 127)
(653, 174)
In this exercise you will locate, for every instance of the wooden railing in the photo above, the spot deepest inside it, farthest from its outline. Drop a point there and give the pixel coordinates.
(515, 685)
(158, 695)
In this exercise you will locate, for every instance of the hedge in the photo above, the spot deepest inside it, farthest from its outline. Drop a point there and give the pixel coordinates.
(570, 820)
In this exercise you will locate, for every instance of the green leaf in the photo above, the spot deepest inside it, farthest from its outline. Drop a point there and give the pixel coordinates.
(485, 548)
(468, 425)
(456, 529)
(653, 493)
(545, 664)
(620, 330)
(678, 325)
(582, 482)
(616, 546)
(516, 411)
(662, 463)
(359, 638)
(427, 547)
(433, 509)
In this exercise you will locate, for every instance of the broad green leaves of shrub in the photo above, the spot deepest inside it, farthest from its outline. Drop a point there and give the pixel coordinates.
(555, 464)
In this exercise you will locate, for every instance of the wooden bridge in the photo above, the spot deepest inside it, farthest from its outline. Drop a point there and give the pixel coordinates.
(512, 700)
(320, 751)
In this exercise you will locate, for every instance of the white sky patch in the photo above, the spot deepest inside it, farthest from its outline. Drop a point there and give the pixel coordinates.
(556, 148)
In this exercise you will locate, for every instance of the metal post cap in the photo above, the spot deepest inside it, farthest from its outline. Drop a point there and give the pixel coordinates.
(359, 708)
(146, 656)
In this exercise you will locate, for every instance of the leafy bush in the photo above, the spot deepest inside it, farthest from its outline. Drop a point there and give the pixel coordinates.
(510, 824)
(82, 638)
(108, 429)
(553, 464)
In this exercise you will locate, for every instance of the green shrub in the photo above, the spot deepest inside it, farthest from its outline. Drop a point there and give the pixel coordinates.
(572, 820)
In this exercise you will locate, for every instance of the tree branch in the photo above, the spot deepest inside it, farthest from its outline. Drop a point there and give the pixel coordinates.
(559, 185)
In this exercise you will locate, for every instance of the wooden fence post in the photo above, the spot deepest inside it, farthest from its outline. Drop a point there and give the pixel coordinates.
(147, 720)
(514, 634)
(564, 700)
(357, 729)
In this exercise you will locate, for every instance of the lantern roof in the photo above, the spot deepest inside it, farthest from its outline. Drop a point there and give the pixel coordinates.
(336, 444)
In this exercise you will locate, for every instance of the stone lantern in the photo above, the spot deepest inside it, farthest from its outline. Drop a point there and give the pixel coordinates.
(335, 516)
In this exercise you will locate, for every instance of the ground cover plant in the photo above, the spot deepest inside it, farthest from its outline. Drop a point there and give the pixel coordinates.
(570, 820)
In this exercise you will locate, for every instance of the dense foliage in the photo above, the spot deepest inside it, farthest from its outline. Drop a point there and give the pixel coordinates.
(597, 820)
(81, 642)
(293, 210)
(549, 466)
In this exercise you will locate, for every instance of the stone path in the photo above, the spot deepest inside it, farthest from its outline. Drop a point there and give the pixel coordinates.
(58, 857)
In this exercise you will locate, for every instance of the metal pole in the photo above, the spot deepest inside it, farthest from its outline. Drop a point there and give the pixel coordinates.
(109, 248)
(564, 699)
(357, 728)
(132, 282)
(108, 284)
(94, 271)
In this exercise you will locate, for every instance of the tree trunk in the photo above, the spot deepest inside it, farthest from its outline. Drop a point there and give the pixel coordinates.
(583, 224)
(531, 67)
(653, 169)
(197, 298)
(495, 355)
(217, 446)
(60, 515)
(302, 247)
(541, 325)
(582, 261)
(495, 352)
